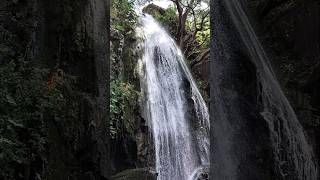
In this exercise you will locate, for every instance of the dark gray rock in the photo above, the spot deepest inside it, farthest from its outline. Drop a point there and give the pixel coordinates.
(290, 31)
(153, 10)
(241, 146)
(136, 174)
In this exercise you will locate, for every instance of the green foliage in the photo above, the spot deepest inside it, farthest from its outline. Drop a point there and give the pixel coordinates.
(169, 19)
(203, 36)
(199, 19)
(123, 17)
(27, 102)
(121, 95)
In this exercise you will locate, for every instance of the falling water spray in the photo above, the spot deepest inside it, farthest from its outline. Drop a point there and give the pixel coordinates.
(180, 148)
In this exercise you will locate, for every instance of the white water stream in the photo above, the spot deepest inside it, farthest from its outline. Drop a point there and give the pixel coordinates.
(176, 111)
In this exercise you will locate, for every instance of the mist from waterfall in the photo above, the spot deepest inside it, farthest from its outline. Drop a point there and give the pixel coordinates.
(176, 112)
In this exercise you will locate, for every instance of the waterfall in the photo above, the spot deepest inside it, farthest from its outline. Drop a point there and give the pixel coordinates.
(181, 147)
(292, 156)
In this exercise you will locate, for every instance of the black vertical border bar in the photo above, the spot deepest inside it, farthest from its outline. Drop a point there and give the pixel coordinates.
(108, 6)
(210, 87)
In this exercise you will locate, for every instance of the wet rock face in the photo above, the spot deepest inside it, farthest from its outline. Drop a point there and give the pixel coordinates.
(153, 10)
(133, 148)
(240, 144)
(252, 156)
(202, 174)
(290, 31)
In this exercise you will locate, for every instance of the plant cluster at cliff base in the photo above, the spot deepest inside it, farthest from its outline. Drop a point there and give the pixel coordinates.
(29, 99)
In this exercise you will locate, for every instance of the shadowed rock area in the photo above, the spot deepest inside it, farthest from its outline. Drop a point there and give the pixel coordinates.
(136, 174)
(290, 32)
(68, 38)
(242, 81)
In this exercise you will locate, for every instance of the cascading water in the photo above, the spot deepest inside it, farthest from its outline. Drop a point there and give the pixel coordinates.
(180, 147)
